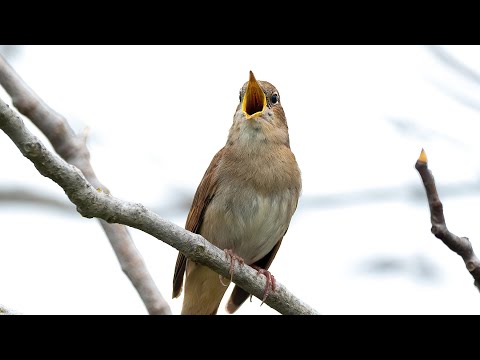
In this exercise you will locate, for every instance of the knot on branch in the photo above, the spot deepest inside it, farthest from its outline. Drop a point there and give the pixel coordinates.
(32, 149)
(471, 266)
(438, 230)
(474, 268)
(200, 249)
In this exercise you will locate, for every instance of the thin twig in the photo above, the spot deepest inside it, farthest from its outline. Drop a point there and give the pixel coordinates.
(30, 196)
(454, 63)
(460, 245)
(72, 149)
(92, 202)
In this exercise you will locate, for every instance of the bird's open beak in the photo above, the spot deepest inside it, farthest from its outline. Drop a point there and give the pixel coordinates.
(254, 101)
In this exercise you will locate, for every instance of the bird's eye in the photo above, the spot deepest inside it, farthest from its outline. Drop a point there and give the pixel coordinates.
(274, 98)
(240, 96)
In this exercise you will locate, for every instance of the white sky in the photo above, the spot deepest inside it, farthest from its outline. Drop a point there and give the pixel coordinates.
(158, 114)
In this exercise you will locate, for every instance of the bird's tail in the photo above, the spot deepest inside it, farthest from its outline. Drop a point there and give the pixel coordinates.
(203, 290)
(237, 298)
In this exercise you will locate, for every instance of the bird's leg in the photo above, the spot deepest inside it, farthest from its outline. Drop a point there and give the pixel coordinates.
(230, 255)
(270, 281)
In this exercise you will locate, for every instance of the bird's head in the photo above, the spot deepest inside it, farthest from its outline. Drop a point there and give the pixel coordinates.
(259, 115)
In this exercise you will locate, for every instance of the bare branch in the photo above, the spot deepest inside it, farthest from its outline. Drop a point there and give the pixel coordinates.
(92, 202)
(29, 196)
(72, 149)
(454, 63)
(460, 245)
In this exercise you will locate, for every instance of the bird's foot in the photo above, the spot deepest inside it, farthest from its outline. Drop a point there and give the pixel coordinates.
(270, 281)
(230, 255)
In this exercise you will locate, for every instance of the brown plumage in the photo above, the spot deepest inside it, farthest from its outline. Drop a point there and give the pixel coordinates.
(245, 200)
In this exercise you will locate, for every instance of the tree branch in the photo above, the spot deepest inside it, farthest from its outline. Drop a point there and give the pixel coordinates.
(460, 245)
(92, 202)
(454, 63)
(27, 195)
(72, 149)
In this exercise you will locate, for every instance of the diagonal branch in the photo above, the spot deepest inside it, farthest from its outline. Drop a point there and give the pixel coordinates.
(72, 148)
(29, 196)
(460, 245)
(92, 202)
(454, 63)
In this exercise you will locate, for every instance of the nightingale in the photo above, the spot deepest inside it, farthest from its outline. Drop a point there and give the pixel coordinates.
(244, 202)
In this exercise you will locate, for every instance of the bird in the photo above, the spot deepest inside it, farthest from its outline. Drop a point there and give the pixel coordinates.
(244, 202)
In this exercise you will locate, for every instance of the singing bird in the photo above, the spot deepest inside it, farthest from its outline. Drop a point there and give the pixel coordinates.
(245, 200)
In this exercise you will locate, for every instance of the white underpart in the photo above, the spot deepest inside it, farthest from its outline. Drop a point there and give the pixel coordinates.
(248, 223)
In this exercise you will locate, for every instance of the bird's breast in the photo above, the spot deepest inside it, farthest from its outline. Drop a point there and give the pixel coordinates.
(248, 221)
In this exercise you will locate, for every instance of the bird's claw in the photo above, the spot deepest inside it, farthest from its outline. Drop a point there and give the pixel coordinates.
(270, 281)
(230, 255)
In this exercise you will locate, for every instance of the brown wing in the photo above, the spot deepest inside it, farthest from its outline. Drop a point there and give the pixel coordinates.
(239, 295)
(202, 198)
